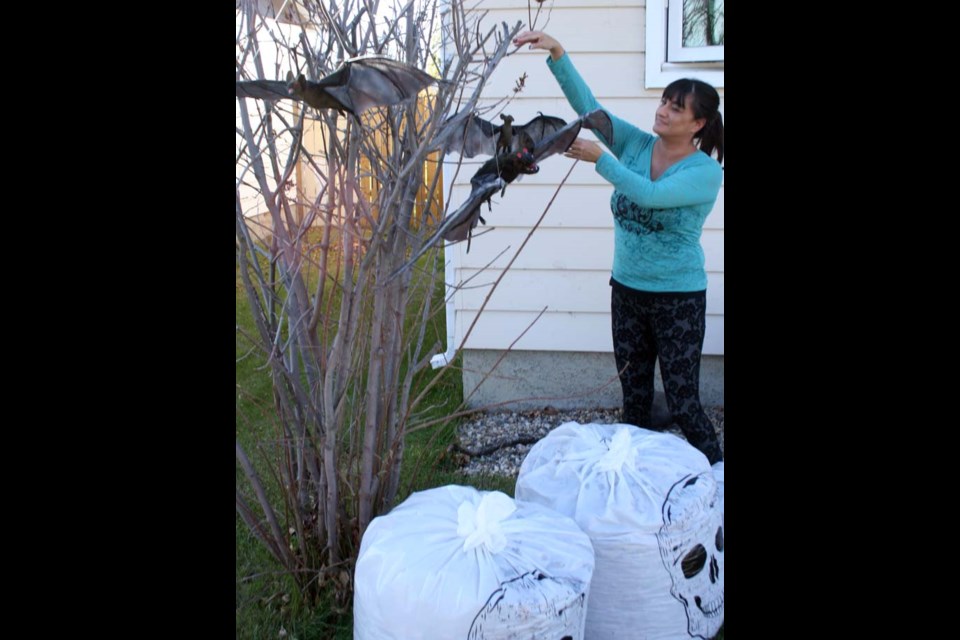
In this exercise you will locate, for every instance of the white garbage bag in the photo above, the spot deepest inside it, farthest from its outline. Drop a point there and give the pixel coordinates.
(461, 564)
(653, 508)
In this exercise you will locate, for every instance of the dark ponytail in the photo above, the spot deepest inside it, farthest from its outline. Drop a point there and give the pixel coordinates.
(711, 136)
(705, 103)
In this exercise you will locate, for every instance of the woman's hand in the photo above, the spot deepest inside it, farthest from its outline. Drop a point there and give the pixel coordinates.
(583, 149)
(540, 40)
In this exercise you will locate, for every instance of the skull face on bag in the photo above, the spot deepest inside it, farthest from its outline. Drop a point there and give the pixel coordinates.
(543, 607)
(691, 547)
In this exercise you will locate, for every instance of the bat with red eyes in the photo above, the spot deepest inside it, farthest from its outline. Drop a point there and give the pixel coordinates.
(498, 172)
(509, 166)
(357, 85)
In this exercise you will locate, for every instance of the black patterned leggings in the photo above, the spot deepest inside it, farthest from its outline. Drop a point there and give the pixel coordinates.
(669, 326)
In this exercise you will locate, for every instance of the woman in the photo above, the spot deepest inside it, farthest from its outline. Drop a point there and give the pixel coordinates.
(665, 185)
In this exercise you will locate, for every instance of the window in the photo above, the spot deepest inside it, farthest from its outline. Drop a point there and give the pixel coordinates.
(695, 31)
(684, 38)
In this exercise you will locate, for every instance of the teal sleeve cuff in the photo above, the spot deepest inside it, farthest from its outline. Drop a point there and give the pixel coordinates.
(603, 163)
(557, 65)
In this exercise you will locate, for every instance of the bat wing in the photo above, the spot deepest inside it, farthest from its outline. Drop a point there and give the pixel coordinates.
(472, 137)
(528, 135)
(599, 121)
(458, 225)
(374, 81)
(560, 140)
(263, 89)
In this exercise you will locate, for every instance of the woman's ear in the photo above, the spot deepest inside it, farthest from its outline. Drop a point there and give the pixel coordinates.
(699, 124)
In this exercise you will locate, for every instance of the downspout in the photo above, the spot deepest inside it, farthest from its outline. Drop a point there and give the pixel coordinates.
(443, 359)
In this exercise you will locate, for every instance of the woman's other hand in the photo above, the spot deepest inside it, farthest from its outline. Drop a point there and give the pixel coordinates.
(540, 40)
(583, 149)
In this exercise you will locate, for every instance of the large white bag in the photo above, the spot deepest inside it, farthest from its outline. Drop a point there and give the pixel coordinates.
(461, 564)
(653, 508)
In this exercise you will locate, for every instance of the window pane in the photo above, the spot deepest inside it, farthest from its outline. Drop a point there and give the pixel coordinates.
(702, 23)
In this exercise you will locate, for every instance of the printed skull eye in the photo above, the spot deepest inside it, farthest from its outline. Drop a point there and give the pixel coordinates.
(719, 539)
(693, 562)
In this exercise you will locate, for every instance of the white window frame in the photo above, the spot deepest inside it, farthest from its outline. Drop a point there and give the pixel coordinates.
(660, 72)
(676, 52)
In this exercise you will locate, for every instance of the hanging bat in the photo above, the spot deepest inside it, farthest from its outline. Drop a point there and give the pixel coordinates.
(357, 85)
(498, 172)
(478, 136)
(509, 166)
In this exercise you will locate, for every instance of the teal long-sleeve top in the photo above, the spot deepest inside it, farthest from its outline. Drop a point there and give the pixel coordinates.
(657, 223)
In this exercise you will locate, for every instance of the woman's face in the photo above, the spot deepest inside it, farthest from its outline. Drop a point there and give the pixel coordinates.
(672, 120)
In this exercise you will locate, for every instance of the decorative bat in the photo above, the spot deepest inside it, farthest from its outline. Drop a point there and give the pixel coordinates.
(478, 136)
(508, 166)
(498, 172)
(357, 85)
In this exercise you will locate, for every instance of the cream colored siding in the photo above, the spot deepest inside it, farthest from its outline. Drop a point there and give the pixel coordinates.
(545, 335)
(564, 269)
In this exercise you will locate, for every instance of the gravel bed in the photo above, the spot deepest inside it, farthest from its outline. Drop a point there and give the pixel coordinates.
(485, 431)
